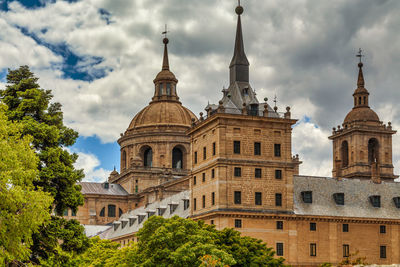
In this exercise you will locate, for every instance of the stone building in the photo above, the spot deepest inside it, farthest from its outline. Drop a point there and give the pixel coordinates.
(234, 167)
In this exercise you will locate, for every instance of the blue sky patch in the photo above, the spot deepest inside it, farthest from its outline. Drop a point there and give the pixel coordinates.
(3, 75)
(30, 4)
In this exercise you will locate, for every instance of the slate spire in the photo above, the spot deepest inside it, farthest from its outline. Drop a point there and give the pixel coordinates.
(239, 67)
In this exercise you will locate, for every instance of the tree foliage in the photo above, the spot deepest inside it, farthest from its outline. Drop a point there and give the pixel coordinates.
(30, 105)
(181, 242)
(22, 208)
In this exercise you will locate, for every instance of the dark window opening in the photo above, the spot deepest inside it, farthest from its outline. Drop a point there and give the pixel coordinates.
(212, 173)
(359, 100)
(365, 100)
(345, 227)
(236, 147)
(213, 198)
(313, 249)
(306, 196)
(103, 212)
(123, 161)
(120, 212)
(383, 252)
(396, 201)
(204, 177)
(313, 226)
(279, 249)
(111, 210)
(257, 148)
(65, 213)
(213, 149)
(168, 89)
(204, 153)
(278, 199)
(177, 158)
(237, 172)
(73, 213)
(160, 89)
(194, 204)
(186, 204)
(373, 151)
(346, 251)
(212, 222)
(382, 229)
(279, 225)
(345, 154)
(278, 174)
(258, 198)
(195, 157)
(339, 198)
(257, 172)
(238, 197)
(277, 150)
(238, 223)
(204, 201)
(375, 201)
(253, 109)
(194, 180)
(148, 158)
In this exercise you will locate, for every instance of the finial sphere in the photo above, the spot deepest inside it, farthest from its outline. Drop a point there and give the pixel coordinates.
(239, 10)
(165, 40)
(360, 65)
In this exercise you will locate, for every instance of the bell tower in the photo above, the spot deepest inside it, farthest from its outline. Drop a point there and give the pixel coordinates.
(362, 147)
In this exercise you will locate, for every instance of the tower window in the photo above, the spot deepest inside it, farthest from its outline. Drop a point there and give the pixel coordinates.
(365, 100)
(279, 249)
(257, 148)
(195, 157)
(160, 89)
(236, 147)
(258, 198)
(306, 196)
(277, 150)
(148, 157)
(359, 100)
(278, 174)
(373, 151)
(194, 204)
(204, 153)
(339, 198)
(238, 197)
(278, 199)
(168, 89)
(345, 154)
(213, 198)
(123, 161)
(177, 158)
(257, 172)
(238, 172)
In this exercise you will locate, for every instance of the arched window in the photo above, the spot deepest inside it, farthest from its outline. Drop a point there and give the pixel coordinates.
(168, 89)
(160, 89)
(102, 212)
(365, 100)
(359, 100)
(345, 154)
(111, 210)
(177, 158)
(148, 157)
(123, 160)
(373, 151)
(119, 212)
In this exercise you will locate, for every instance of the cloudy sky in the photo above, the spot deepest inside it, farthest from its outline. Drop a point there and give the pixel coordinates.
(99, 57)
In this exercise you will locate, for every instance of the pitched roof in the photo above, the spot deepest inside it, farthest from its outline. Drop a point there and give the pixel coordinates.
(98, 188)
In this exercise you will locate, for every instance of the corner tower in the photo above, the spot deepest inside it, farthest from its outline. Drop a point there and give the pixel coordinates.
(362, 147)
(155, 148)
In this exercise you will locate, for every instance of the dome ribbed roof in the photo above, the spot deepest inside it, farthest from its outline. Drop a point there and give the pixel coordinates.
(163, 113)
(361, 114)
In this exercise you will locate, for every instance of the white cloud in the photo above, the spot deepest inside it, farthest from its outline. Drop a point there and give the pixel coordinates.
(91, 167)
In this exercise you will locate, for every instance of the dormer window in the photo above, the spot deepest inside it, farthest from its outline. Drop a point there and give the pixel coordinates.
(106, 185)
(254, 109)
(245, 91)
(375, 201)
(396, 201)
(339, 198)
(306, 196)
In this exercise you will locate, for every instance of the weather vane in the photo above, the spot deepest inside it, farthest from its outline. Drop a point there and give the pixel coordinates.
(165, 31)
(275, 100)
(238, 2)
(360, 55)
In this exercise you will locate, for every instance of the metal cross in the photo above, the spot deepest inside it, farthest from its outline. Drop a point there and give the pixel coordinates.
(165, 31)
(275, 100)
(238, 2)
(360, 55)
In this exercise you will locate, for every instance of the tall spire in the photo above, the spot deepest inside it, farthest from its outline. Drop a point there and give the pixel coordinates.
(360, 94)
(165, 64)
(360, 81)
(239, 67)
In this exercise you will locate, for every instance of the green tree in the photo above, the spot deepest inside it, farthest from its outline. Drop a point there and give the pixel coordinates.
(22, 208)
(30, 105)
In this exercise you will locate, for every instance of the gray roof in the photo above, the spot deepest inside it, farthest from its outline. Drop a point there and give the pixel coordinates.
(356, 197)
(98, 188)
(93, 230)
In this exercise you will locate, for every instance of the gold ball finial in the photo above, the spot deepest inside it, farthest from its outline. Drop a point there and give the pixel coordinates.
(165, 40)
(239, 10)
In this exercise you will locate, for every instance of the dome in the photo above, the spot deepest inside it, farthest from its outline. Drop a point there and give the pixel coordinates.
(163, 113)
(361, 114)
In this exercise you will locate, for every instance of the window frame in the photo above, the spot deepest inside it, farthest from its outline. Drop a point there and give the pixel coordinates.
(345, 227)
(313, 249)
(382, 229)
(382, 252)
(237, 171)
(279, 249)
(346, 251)
(258, 198)
(278, 200)
(236, 147)
(279, 225)
(277, 150)
(313, 226)
(278, 174)
(257, 148)
(258, 173)
(237, 197)
(238, 223)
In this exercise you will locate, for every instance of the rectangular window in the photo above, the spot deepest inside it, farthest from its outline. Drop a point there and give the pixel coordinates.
(73, 213)
(236, 147)
(278, 199)
(111, 210)
(345, 227)
(257, 172)
(306, 196)
(277, 150)
(383, 252)
(65, 212)
(195, 157)
(204, 201)
(279, 225)
(313, 226)
(194, 180)
(346, 249)
(204, 152)
(238, 171)
(313, 249)
(194, 204)
(213, 149)
(258, 198)
(204, 177)
(186, 204)
(238, 223)
(278, 174)
(213, 198)
(212, 222)
(382, 229)
(238, 197)
(279, 249)
(212, 173)
(257, 148)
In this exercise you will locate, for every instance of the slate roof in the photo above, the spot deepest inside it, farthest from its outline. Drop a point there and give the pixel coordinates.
(98, 188)
(356, 197)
